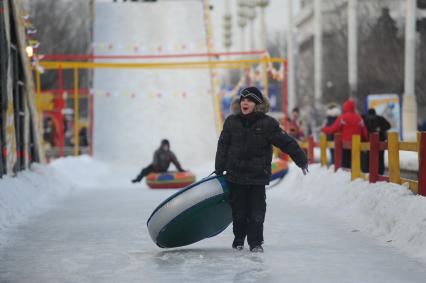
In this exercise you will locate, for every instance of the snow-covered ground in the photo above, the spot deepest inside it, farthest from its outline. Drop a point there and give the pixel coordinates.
(79, 220)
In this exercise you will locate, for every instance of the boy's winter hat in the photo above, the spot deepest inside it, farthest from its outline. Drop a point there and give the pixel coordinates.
(252, 93)
(165, 142)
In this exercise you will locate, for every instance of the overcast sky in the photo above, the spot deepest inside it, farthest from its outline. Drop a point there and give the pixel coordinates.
(276, 15)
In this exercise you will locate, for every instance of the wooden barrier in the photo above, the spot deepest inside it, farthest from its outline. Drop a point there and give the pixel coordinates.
(393, 158)
(374, 158)
(311, 145)
(323, 147)
(356, 158)
(374, 146)
(338, 150)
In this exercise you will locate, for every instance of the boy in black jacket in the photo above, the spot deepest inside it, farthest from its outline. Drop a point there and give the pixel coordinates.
(245, 152)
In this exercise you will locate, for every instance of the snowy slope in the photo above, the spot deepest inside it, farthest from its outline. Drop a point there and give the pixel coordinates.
(145, 106)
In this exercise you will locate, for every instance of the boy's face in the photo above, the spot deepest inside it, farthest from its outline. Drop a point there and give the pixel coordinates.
(295, 115)
(247, 106)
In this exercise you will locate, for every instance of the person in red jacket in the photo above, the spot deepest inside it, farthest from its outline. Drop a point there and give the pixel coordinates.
(349, 123)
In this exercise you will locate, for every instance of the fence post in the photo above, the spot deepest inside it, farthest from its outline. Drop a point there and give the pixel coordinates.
(311, 144)
(374, 158)
(356, 157)
(76, 113)
(422, 163)
(338, 148)
(61, 142)
(393, 158)
(323, 148)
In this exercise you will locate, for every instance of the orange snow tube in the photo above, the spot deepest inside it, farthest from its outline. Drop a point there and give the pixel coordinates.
(279, 168)
(170, 180)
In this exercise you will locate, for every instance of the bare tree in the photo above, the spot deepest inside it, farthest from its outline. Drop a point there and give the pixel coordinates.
(63, 27)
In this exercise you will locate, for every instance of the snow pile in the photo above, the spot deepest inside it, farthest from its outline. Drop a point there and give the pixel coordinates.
(408, 160)
(387, 211)
(34, 191)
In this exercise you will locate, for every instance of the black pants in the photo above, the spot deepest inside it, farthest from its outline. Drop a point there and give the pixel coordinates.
(346, 158)
(366, 162)
(332, 155)
(248, 204)
(145, 171)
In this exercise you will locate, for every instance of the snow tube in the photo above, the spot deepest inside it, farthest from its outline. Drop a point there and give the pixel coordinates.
(199, 211)
(170, 180)
(279, 169)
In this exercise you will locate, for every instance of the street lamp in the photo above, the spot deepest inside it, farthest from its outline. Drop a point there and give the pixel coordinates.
(242, 20)
(227, 30)
(251, 15)
(30, 51)
(263, 4)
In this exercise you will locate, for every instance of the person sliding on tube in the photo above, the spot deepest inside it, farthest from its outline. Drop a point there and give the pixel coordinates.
(244, 151)
(162, 159)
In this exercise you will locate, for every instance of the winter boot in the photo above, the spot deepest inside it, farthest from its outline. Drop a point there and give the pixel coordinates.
(238, 244)
(256, 249)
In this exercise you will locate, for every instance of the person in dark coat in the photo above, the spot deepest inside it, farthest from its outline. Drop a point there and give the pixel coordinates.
(349, 123)
(162, 159)
(422, 127)
(333, 111)
(376, 124)
(244, 151)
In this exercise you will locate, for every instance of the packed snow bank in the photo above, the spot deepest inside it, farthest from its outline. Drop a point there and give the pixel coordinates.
(408, 160)
(33, 191)
(387, 211)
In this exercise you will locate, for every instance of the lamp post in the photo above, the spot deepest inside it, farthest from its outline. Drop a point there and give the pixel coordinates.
(290, 58)
(227, 28)
(242, 21)
(251, 16)
(318, 52)
(263, 4)
(353, 47)
(409, 110)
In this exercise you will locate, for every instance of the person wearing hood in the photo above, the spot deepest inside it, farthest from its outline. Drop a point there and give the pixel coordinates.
(163, 156)
(348, 124)
(244, 151)
(333, 111)
(376, 124)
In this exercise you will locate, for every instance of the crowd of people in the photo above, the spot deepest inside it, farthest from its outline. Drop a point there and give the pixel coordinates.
(348, 122)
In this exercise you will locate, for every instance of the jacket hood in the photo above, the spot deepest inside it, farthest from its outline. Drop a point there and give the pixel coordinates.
(333, 112)
(349, 106)
(263, 107)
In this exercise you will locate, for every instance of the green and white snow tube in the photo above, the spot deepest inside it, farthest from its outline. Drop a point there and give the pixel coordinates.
(196, 212)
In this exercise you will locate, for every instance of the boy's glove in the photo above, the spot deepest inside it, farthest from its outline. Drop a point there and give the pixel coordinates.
(305, 170)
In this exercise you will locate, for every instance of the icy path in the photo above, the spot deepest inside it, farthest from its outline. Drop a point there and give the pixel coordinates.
(100, 236)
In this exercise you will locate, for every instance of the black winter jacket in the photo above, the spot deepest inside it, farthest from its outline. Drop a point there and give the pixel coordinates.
(245, 148)
(377, 123)
(162, 160)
